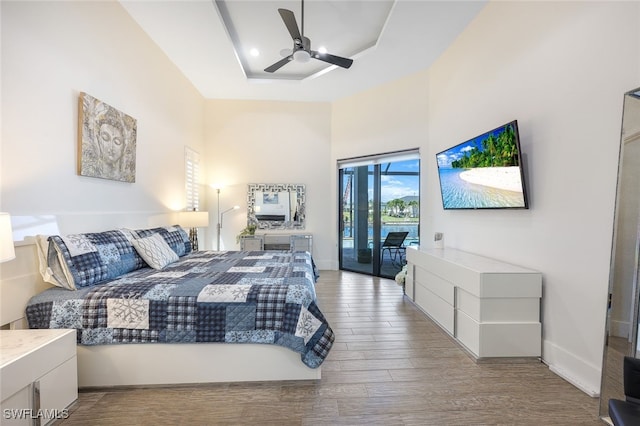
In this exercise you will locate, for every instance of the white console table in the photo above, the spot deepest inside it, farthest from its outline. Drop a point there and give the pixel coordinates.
(295, 242)
(38, 375)
(490, 307)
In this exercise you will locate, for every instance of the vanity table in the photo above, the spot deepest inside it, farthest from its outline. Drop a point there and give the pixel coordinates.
(276, 207)
(38, 375)
(293, 242)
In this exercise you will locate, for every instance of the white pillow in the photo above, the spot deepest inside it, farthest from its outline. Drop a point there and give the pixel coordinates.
(155, 251)
(52, 266)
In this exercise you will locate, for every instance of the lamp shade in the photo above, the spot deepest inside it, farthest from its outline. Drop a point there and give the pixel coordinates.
(193, 219)
(7, 252)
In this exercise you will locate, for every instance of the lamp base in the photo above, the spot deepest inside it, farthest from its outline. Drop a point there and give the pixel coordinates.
(193, 237)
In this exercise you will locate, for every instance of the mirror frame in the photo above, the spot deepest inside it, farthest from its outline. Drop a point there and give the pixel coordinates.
(300, 197)
(623, 290)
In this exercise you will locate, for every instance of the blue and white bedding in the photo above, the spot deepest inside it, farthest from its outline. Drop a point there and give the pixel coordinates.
(204, 297)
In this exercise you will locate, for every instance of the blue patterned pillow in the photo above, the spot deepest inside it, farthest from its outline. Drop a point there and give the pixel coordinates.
(175, 236)
(82, 260)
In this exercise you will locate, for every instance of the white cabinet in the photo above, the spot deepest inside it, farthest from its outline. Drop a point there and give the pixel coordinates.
(492, 308)
(295, 242)
(38, 375)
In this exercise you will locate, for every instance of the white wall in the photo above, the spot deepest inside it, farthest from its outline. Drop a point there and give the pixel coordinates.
(391, 117)
(560, 69)
(270, 142)
(51, 51)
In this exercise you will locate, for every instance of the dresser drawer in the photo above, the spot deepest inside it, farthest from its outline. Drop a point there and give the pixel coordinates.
(499, 339)
(435, 284)
(437, 308)
(515, 309)
(273, 239)
(251, 244)
(301, 243)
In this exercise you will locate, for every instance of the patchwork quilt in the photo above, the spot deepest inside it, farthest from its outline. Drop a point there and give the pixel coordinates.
(233, 297)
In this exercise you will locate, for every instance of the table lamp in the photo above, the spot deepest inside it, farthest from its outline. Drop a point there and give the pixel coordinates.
(193, 220)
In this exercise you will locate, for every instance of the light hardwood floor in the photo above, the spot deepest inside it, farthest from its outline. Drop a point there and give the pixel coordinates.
(390, 365)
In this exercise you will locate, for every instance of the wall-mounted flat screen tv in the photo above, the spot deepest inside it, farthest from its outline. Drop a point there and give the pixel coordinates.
(484, 172)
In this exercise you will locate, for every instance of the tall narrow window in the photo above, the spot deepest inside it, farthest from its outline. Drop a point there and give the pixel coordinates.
(192, 178)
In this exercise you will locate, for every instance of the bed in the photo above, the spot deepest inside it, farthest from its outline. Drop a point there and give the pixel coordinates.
(187, 318)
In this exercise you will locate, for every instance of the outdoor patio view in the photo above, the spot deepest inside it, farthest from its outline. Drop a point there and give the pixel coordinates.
(380, 216)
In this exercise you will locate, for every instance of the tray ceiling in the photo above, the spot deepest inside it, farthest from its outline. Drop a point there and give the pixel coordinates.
(209, 42)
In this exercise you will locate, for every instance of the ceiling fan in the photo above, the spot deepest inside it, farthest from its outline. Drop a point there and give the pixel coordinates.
(302, 45)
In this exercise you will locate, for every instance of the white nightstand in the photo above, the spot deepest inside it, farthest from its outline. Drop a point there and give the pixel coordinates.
(38, 375)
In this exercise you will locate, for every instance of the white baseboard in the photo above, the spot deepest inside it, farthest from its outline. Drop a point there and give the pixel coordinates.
(326, 265)
(620, 328)
(572, 368)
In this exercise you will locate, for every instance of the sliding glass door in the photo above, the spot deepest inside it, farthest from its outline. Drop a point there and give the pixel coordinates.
(380, 214)
(356, 244)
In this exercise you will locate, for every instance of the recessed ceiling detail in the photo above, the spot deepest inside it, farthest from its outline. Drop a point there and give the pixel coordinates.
(192, 35)
(260, 38)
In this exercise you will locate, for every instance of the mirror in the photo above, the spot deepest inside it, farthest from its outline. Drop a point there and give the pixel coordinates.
(276, 206)
(621, 338)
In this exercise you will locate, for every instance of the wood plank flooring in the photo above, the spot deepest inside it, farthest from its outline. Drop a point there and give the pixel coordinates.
(390, 365)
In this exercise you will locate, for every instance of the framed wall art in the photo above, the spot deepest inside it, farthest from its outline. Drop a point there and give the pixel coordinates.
(106, 141)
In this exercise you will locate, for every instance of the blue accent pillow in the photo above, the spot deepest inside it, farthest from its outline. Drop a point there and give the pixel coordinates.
(82, 260)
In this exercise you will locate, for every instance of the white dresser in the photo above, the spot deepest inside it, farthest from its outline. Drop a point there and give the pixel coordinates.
(490, 307)
(38, 375)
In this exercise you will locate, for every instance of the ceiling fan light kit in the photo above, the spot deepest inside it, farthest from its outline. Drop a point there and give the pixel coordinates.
(302, 56)
(301, 51)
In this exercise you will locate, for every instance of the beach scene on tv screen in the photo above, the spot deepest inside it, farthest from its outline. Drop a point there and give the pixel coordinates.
(483, 172)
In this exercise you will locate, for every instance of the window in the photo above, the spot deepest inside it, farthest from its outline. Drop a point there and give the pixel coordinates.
(192, 179)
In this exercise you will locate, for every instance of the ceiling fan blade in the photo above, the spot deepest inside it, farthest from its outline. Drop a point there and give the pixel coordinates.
(332, 59)
(279, 64)
(290, 21)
